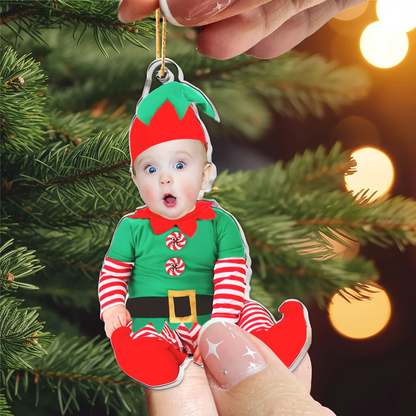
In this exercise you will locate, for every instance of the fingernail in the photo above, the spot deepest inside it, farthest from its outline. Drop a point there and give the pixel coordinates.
(190, 12)
(228, 353)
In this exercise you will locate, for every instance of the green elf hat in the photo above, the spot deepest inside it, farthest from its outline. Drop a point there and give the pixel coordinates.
(169, 113)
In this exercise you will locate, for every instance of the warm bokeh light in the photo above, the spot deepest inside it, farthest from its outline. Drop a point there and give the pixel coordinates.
(397, 14)
(383, 47)
(360, 318)
(352, 12)
(374, 172)
(350, 28)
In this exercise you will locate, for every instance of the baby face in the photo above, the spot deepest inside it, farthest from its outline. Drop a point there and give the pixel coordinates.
(170, 175)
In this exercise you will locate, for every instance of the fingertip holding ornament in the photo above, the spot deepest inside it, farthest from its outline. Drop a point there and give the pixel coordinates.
(189, 12)
(166, 13)
(229, 353)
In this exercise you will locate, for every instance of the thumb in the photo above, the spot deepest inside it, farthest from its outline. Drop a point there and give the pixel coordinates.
(246, 376)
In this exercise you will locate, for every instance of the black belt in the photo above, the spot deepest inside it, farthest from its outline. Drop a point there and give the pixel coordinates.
(158, 307)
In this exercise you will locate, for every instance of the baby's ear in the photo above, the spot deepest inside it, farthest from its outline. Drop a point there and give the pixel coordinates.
(206, 175)
(132, 170)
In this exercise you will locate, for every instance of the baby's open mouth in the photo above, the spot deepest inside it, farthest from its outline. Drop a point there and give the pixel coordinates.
(169, 199)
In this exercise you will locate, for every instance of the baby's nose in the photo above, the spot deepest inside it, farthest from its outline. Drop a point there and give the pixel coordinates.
(164, 181)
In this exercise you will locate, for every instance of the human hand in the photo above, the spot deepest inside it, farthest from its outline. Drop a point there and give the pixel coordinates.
(256, 382)
(115, 317)
(197, 356)
(260, 28)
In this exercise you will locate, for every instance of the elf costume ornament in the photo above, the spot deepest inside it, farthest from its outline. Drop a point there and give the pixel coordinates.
(174, 274)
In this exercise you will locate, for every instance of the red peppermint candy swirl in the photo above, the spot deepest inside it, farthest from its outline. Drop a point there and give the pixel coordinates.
(175, 266)
(175, 241)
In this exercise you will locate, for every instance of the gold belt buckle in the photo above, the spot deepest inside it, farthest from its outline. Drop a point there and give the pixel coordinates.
(192, 301)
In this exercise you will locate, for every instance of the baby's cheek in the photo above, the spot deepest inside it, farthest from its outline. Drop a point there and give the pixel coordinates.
(148, 192)
(192, 189)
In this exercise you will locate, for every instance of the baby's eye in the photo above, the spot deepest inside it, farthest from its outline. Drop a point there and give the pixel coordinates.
(150, 169)
(179, 165)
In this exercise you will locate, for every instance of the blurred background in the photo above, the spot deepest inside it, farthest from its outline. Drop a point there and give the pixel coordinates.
(370, 369)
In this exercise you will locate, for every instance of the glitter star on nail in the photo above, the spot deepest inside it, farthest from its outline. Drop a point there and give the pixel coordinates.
(212, 349)
(220, 6)
(249, 352)
(251, 366)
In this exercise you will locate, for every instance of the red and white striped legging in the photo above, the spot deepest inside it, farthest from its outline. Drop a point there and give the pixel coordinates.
(228, 301)
(252, 317)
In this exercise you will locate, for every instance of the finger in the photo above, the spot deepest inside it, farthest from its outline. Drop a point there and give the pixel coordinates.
(122, 319)
(304, 372)
(115, 324)
(190, 13)
(192, 396)
(197, 356)
(327, 412)
(108, 331)
(244, 374)
(233, 36)
(132, 10)
(297, 28)
(185, 13)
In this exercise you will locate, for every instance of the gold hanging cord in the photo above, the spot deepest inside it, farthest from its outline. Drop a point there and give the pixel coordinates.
(162, 73)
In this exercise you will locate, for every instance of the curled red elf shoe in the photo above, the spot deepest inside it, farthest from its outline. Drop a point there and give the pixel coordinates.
(291, 337)
(150, 361)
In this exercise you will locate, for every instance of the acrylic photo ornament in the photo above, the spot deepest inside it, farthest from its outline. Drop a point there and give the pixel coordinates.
(158, 344)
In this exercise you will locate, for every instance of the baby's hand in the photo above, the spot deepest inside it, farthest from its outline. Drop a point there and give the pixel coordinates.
(115, 317)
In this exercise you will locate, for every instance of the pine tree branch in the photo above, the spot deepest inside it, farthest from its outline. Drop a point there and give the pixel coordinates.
(320, 279)
(4, 408)
(11, 16)
(70, 129)
(23, 94)
(58, 167)
(72, 263)
(334, 222)
(78, 366)
(59, 275)
(80, 377)
(19, 329)
(16, 264)
(20, 334)
(226, 81)
(32, 17)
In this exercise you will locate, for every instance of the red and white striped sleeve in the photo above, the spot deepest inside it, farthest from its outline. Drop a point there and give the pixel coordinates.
(112, 286)
(229, 288)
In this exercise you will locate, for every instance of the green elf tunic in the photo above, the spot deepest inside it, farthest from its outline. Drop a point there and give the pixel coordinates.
(204, 235)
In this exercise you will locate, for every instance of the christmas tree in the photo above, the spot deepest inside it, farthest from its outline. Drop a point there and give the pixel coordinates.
(71, 75)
